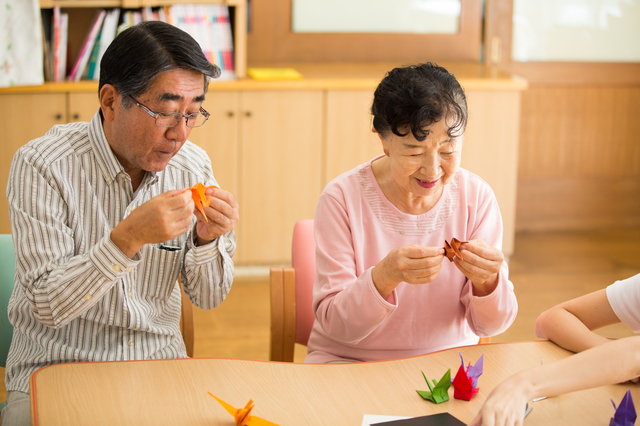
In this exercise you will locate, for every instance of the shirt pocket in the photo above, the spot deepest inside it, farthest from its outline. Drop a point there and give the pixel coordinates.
(160, 271)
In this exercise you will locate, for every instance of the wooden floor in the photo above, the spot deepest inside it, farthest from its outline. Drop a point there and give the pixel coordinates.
(546, 269)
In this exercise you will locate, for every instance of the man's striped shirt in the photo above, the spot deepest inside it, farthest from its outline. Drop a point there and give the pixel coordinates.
(77, 297)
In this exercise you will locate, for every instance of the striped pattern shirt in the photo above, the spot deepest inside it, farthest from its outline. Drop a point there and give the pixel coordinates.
(77, 297)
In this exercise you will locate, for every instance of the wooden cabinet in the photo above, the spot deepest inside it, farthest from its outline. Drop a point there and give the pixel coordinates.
(265, 148)
(280, 170)
(26, 116)
(350, 140)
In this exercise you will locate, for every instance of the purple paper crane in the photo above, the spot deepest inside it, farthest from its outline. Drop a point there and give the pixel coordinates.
(473, 371)
(625, 414)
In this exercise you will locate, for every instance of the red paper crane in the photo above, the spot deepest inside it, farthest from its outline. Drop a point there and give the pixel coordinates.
(452, 250)
(463, 386)
(465, 381)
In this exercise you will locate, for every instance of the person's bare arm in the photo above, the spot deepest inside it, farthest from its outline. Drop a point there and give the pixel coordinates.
(571, 324)
(614, 362)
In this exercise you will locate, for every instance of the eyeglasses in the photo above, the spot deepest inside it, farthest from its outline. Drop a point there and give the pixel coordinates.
(172, 118)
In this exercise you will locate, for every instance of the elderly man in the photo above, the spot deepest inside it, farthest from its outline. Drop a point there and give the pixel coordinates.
(102, 222)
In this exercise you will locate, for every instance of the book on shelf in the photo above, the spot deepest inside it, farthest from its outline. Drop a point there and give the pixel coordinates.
(107, 34)
(47, 45)
(87, 47)
(61, 54)
(209, 25)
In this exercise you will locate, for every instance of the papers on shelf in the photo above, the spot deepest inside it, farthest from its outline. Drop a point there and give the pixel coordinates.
(275, 74)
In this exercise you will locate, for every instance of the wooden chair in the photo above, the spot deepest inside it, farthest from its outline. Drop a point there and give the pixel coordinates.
(291, 296)
(187, 324)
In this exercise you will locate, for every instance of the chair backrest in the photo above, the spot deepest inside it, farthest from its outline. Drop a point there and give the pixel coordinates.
(303, 259)
(291, 295)
(7, 275)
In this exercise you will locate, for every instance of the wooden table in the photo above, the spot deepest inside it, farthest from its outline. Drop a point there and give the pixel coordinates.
(174, 392)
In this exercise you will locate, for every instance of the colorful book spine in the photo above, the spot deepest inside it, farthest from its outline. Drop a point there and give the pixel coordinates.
(87, 47)
(56, 24)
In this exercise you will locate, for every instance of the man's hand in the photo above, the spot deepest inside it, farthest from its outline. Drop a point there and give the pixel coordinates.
(222, 215)
(162, 218)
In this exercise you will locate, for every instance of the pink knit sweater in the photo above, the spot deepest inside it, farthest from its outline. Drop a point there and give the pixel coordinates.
(355, 227)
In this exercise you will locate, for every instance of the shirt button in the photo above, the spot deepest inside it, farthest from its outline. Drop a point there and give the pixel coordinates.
(127, 270)
(117, 267)
(129, 209)
(87, 297)
(210, 252)
(108, 179)
(131, 343)
(129, 293)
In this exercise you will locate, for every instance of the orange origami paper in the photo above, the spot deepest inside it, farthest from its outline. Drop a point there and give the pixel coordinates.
(243, 415)
(201, 200)
(452, 250)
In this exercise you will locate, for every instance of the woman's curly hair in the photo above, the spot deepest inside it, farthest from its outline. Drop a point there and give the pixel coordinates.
(413, 98)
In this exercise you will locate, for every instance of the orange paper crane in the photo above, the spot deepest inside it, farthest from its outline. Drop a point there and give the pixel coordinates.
(243, 415)
(201, 200)
(452, 250)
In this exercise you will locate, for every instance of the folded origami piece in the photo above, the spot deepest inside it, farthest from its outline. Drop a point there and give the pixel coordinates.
(201, 200)
(452, 250)
(625, 414)
(439, 391)
(466, 381)
(243, 415)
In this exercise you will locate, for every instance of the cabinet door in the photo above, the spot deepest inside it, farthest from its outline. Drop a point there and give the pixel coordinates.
(219, 137)
(280, 163)
(24, 117)
(350, 140)
(82, 106)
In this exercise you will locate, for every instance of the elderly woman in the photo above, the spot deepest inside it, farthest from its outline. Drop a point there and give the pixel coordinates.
(383, 287)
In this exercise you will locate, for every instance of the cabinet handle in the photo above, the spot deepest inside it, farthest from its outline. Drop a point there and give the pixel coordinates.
(58, 116)
(247, 113)
(230, 114)
(76, 116)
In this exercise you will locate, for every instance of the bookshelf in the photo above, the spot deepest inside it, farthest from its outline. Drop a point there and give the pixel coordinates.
(81, 13)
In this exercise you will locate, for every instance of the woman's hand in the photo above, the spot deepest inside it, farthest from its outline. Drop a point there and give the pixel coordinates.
(481, 264)
(412, 264)
(505, 405)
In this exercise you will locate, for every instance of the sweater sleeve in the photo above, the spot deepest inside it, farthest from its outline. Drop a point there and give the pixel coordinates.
(348, 307)
(492, 314)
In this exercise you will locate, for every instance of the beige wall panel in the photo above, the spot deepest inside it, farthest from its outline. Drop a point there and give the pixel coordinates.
(580, 132)
(579, 163)
(490, 150)
(350, 140)
(556, 204)
(23, 118)
(281, 136)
